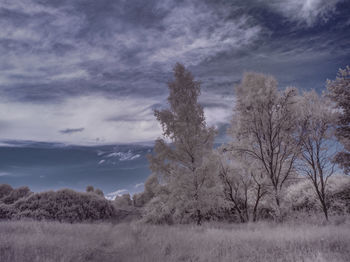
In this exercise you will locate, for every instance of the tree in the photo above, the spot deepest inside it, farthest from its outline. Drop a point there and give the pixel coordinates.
(16, 194)
(99, 192)
(180, 163)
(317, 143)
(243, 184)
(5, 190)
(123, 201)
(339, 92)
(151, 188)
(264, 128)
(90, 189)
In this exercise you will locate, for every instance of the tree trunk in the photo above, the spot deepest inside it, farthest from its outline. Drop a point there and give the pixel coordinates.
(324, 208)
(255, 210)
(278, 216)
(199, 217)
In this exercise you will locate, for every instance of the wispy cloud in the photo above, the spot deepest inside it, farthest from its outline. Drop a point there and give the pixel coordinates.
(304, 11)
(139, 185)
(119, 192)
(40, 122)
(71, 130)
(4, 174)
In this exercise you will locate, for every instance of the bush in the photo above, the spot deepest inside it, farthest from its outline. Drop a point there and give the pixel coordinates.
(158, 211)
(339, 195)
(301, 196)
(64, 205)
(5, 190)
(16, 194)
(6, 211)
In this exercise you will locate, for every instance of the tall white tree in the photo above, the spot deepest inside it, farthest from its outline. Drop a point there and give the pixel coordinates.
(181, 163)
(264, 128)
(339, 92)
(317, 124)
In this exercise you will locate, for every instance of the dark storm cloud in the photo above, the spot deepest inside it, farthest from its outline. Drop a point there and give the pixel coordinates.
(71, 130)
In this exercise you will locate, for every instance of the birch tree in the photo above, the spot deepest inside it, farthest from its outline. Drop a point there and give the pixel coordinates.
(180, 163)
(339, 92)
(264, 128)
(317, 143)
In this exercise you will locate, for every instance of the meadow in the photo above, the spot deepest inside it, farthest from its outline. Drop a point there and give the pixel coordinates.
(34, 241)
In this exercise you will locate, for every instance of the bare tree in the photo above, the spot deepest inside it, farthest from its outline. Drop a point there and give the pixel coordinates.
(180, 163)
(263, 127)
(243, 184)
(317, 142)
(339, 92)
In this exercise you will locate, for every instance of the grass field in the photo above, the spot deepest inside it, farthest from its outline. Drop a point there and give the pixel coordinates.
(49, 241)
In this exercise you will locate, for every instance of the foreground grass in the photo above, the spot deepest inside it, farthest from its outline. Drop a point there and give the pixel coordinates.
(48, 241)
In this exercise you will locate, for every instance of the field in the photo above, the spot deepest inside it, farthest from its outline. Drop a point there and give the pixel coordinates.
(50, 241)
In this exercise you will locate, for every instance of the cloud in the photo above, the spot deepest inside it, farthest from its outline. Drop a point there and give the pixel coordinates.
(104, 121)
(217, 108)
(76, 49)
(304, 11)
(71, 130)
(103, 65)
(113, 195)
(40, 122)
(139, 185)
(194, 33)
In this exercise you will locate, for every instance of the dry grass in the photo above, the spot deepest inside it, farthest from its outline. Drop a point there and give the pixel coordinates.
(44, 241)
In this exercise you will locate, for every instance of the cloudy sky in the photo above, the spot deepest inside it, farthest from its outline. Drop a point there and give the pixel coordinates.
(87, 72)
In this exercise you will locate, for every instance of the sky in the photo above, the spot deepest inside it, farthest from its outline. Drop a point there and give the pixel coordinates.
(89, 73)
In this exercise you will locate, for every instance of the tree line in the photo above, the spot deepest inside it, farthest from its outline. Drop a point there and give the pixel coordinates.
(279, 139)
(284, 158)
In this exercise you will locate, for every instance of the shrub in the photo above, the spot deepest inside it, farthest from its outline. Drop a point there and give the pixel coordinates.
(65, 205)
(6, 211)
(5, 190)
(16, 194)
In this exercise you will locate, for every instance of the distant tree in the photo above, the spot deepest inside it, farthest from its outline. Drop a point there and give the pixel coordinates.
(264, 128)
(90, 189)
(16, 194)
(180, 163)
(339, 92)
(5, 190)
(151, 188)
(99, 192)
(317, 143)
(123, 201)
